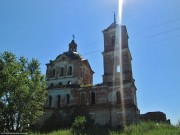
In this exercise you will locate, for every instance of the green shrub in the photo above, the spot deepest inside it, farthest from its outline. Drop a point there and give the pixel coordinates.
(73, 112)
(79, 125)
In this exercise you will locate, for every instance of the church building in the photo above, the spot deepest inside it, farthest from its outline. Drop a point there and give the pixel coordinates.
(70, 82)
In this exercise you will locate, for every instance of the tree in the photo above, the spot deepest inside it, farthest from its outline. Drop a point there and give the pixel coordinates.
(22, 92)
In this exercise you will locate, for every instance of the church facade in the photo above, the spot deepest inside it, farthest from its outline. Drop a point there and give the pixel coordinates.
(70, 82)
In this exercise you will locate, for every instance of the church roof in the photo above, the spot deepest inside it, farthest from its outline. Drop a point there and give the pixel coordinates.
(74, 55)
(113, 25)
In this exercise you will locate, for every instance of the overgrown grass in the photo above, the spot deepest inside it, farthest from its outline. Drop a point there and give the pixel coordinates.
(143, 128)
(149, 128)
(60, 132)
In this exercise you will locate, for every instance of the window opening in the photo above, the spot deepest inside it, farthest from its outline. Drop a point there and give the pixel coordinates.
(118, 68)
(93, 98)
(69, 82)
(113, 40)
(69, 70)
(68, 99)
(57, 73)
(62, 71)
(59, 101)
(52, 85)
(60, 83)
(118, 97)
(53, 73)
(50, 101)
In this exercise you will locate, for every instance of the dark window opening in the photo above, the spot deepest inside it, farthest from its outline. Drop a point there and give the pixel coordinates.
(50, 101)
(52, 85)
(68, 99)
(69, 70)
(59, 101)
(113, 40)
(53, 73)
(57, 73)
(60, 83)
(92, 98)
(69, 83)
(62, 71)
(118, 96)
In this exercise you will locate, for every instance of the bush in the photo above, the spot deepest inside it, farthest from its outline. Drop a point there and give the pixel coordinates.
(79, 125)
(73, 112)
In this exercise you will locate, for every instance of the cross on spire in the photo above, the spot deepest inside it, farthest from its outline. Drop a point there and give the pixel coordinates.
(73, 36)
(114, 17)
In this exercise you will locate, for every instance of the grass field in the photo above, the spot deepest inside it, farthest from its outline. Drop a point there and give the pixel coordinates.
(143, 128)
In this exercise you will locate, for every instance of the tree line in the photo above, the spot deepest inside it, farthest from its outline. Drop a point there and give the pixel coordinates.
(22, 92)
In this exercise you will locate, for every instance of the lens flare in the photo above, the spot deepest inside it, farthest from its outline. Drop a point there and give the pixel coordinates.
(118, 74)
(120, 7)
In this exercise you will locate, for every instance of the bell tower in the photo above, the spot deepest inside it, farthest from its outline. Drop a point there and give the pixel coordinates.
(118, 72)
(116, 55)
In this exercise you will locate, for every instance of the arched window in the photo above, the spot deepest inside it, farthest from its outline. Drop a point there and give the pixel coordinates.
(83, 99)
(93, 98)
(60, 83)
(52, 85)
(59, 101)
(58, 71)
(68, 99)
(118, 97)
(53, 73)
(50, 101)
(69, 83)
(62, 71)
(69, 70)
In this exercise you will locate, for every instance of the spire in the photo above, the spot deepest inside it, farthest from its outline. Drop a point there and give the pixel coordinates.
(114, 17)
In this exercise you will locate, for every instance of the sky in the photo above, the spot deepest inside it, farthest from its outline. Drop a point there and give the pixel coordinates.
(43, 29)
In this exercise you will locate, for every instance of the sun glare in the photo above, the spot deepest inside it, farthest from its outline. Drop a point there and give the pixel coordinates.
(118, 53)
(120, 6)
